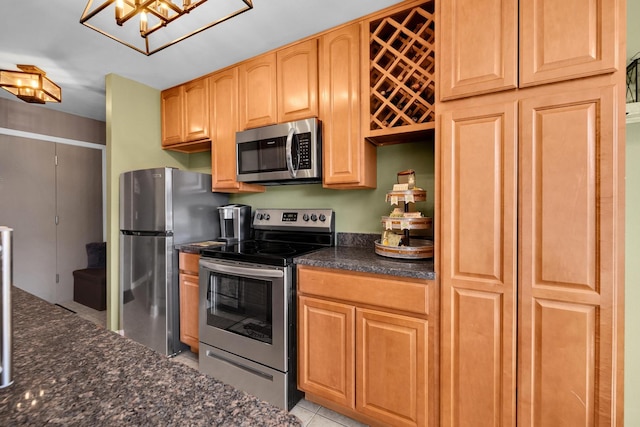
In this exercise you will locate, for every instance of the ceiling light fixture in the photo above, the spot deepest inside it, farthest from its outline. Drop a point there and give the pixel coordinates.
(31, 85)
(633, 80)
(155, 15)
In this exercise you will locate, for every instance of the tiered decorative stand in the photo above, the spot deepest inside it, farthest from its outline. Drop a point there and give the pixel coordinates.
(396, 240)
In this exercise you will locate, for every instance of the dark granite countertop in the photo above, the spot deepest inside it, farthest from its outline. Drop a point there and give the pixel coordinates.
(68, 371)
(197, 247)
(356, 252)
(367, 261)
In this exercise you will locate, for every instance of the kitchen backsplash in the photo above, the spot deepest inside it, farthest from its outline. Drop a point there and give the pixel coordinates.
(357, 211)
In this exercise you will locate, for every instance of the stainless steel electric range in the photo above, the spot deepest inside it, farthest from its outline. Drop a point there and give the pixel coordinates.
(248, 307)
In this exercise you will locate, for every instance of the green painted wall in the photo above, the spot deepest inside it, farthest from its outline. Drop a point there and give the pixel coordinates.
(357, 210)
(632, 278)
(133, 142)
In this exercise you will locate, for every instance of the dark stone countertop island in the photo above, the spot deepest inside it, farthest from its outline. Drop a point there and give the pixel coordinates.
(68, 371)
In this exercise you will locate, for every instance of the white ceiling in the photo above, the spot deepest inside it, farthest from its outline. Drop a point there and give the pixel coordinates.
(48, 34)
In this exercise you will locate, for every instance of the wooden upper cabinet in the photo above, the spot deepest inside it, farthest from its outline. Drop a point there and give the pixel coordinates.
(224, 124)
(196, 110)
(258, 95)
(558, 40)
(297, 81)
(348, 160)
(172, 108)
(478, 42)
(479, 258)
(570, 255)
(398, 73)
(562, 40)
(185, 117)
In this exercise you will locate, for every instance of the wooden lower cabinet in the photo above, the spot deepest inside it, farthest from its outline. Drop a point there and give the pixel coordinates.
(391, 367)
(479, 274)
(327, 349)
(531, 257)
(361, 356)
(189, 297)
(569, 259)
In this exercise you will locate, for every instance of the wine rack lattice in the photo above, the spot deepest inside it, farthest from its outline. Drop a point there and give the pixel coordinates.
(402, 68)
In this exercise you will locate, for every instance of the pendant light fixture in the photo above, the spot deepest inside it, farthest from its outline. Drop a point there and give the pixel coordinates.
(633, 80)
(31, 85)
(144, 25)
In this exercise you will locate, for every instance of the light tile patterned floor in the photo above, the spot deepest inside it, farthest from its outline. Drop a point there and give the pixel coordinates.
(311, 414)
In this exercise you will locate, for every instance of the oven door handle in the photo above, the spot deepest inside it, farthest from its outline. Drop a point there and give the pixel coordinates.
(289, 151)
(242, 271)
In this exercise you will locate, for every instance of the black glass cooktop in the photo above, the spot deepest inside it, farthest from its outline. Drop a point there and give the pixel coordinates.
(261, 251)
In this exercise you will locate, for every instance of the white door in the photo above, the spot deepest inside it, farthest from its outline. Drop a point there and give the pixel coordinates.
(34, 194)
(27, 204)
(79, 209)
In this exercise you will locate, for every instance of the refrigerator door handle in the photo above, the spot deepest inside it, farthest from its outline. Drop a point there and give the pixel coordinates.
(147, 233)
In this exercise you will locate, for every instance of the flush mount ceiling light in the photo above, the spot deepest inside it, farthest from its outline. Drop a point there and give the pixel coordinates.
(30, 85)
(150, 32)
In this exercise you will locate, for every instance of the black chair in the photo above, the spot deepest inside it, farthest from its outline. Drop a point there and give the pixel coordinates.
(90, 284)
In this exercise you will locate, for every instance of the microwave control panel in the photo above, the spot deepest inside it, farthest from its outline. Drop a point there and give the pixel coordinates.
(304, 150)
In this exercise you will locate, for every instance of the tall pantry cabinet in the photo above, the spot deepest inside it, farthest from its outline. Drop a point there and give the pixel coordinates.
(531, 158)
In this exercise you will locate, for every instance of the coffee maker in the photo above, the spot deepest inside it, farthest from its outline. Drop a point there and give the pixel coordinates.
(235, 222)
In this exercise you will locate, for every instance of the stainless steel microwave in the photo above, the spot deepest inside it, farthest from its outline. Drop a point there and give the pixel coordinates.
(287, 153)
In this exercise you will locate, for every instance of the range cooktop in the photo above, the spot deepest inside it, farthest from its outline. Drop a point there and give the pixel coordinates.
(281, 235)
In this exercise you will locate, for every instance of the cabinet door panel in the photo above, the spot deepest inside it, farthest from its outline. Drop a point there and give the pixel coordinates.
(568, 259)
(224, 101)
(297, 70)
(326, 354)
(561, 40)
(478, 46)
(172, 116)
(189, 293)
(392, 365)
(258, 105)
(348, 160)
(196, 104)
(224, 124)
(478, 247)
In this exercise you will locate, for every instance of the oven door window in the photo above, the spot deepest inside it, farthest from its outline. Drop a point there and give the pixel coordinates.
(241, 305)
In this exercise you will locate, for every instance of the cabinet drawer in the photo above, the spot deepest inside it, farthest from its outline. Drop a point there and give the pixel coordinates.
(405, 294)
(189, 262)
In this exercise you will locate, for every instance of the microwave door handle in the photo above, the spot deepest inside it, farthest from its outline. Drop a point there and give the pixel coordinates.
(289, 150)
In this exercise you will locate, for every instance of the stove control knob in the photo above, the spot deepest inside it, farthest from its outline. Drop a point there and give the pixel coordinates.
(259, 216)
(267, 217)
(305, 217)
(323, 218)
(314, 217)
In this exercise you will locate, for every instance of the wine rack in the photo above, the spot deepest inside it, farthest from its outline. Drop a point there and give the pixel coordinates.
(401, 70)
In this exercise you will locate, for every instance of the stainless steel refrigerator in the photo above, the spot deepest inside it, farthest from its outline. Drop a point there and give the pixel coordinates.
(160, 208)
